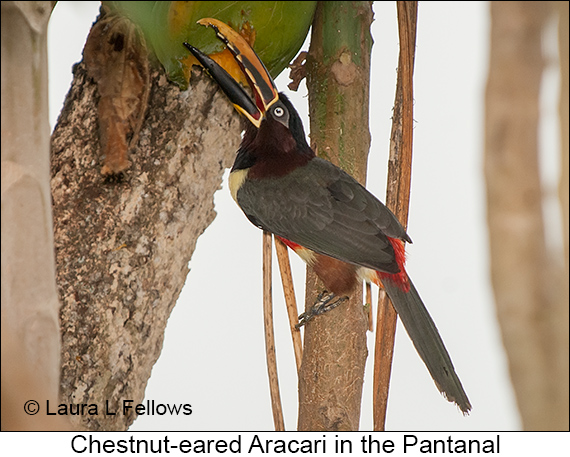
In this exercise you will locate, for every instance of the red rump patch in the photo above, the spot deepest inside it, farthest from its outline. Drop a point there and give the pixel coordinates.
(401, 278)
(292, 245)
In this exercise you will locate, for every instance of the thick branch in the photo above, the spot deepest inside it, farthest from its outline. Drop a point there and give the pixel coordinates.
(123, 246)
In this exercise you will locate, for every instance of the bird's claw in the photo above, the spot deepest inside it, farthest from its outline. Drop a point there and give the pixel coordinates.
(325, 302)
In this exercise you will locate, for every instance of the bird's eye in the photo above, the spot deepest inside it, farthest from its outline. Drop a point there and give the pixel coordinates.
(278, 111)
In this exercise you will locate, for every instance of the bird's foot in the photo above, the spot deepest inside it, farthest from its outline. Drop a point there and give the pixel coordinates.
(325, 302)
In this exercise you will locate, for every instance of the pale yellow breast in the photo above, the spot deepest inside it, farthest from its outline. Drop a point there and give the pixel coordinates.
(236, 180)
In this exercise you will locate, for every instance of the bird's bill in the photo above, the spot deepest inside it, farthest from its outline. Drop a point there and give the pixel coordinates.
(261, 83)
(237, 95)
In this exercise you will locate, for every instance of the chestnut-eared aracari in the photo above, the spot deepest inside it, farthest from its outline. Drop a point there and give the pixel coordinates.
(339, 228)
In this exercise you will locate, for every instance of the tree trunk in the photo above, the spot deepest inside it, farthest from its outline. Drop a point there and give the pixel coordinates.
(338, 72)
(30, 330)
(527, 281)
(123, 245)
(564, 193)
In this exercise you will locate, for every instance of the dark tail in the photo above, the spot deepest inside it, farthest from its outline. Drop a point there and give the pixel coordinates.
(428, 342)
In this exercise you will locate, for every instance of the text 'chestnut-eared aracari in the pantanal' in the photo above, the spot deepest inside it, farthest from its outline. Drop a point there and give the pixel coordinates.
(329, 219)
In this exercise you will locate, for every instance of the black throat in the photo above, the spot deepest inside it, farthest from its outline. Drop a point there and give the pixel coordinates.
(274, 150)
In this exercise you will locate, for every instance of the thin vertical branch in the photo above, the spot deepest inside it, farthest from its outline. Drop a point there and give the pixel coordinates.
(290, 300)
(397, 198)
(270, 337)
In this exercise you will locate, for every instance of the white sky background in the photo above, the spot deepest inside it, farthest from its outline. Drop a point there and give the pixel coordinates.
(213, 356)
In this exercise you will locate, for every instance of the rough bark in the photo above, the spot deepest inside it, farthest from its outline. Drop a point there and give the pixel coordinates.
(30, 329)
(338, 71)
(528, 283)
(123, 245)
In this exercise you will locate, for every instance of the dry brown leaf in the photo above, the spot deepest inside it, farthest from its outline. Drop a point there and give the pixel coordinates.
(298, 71)
(116, 58)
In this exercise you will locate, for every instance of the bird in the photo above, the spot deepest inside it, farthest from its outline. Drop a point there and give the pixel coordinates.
(318, 210)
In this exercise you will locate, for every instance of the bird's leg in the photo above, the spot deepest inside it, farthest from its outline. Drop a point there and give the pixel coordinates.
(325, 302)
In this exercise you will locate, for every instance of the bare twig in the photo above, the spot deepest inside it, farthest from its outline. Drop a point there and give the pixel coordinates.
(397, 198)
(290, 301)
(269, 336)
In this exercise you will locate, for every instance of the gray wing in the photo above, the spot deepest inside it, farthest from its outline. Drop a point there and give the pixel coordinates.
(324, 209)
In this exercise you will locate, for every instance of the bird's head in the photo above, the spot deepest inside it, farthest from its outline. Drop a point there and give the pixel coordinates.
(274, 124)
